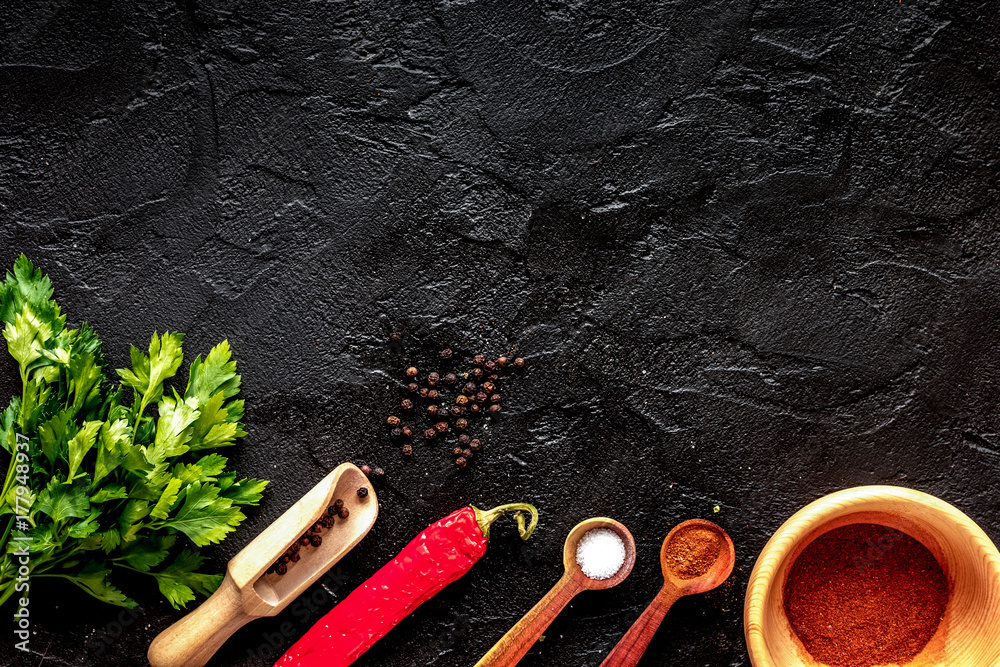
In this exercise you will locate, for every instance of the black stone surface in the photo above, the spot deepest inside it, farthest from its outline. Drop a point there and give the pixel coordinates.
(750, 250)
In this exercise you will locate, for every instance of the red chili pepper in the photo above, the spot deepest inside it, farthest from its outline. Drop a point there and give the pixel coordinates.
(439, 555)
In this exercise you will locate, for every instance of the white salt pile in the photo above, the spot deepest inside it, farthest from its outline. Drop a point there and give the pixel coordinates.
(600, 553)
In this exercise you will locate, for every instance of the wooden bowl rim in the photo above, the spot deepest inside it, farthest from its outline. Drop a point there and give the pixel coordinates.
(801, 524)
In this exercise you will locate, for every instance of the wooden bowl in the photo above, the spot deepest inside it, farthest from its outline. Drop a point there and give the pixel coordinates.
(969, 634)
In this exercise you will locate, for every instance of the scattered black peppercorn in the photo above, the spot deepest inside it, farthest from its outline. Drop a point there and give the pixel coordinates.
(469, 388)
(481, 397)
(490, 365)
(392, 420)
(501, 361)
(464, 439)
(295, 547)
(461, 462)
(495, 398)
(366, 469)
(424, 391)
(413, 387)
(304, 540)
(475, 445)
(397, 433)
(411, 372)
(406, 404)
(519, 363)
(316, 527)
(344, 513)
(270, 570)
(457, 410)
(432, 410)
(430, 434)
(446, 353)
(493, 377)
(281, 568)
(488, 387)
(467, 453)
(315, 540)
(363, 492)
(432, 379)
(327, 521)
(478, 360)
(337, 504)
(433, 395)
(461, 423)
(457, 451)
(495, 407)
(441, 427)
(295, 558)
(407, 449)
(450, 378)
(407, 430)
(461, 399)
(284, 559)
(477, 373)
(395, 336)
(474, 408)
(378, 472)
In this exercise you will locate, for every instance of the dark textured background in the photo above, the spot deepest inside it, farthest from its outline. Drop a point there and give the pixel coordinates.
(750, 250)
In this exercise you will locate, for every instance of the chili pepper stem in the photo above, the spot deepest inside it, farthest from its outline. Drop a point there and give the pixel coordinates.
(485, 518)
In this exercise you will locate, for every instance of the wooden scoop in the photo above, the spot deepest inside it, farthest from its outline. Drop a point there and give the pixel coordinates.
(248, 593)
(520, 638)
(678, 582)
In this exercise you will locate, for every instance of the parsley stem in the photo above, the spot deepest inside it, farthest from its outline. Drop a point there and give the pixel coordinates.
(7, 593)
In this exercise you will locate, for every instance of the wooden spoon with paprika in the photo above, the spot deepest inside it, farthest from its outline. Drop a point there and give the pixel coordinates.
(696, 557)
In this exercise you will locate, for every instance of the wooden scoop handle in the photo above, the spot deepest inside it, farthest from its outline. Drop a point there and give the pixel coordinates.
(193, 640)
(630, 648)
(520, 638)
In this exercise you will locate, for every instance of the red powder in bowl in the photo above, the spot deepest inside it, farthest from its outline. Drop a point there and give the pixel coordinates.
(865, 595)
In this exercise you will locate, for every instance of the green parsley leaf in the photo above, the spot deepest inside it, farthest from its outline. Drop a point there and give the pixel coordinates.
(167, 499)
(147, 553)
(8, 434)
(29, 286)
(149, 373)
(110, 492)
(172, 432)
(112, 446)
(179, 581)
(61, 502)
(246, 491)
(80, 444)
(205, 517)
(93, 579)
(217, 373)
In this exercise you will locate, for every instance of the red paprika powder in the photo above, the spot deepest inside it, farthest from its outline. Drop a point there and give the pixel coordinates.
(864, 595)
(693, 551)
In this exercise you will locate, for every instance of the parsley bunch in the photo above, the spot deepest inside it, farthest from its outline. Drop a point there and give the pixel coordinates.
(113, 483)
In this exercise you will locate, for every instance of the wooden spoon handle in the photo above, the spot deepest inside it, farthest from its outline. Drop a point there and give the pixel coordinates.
(193, 640)
(630, 648)
(519, 639)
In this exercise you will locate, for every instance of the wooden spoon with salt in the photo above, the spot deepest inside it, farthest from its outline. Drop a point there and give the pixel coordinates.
(520, 638)
(696, 557)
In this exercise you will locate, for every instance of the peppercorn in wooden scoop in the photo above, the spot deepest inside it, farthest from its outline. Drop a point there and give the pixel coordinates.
(696, 557)
(276, 567)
